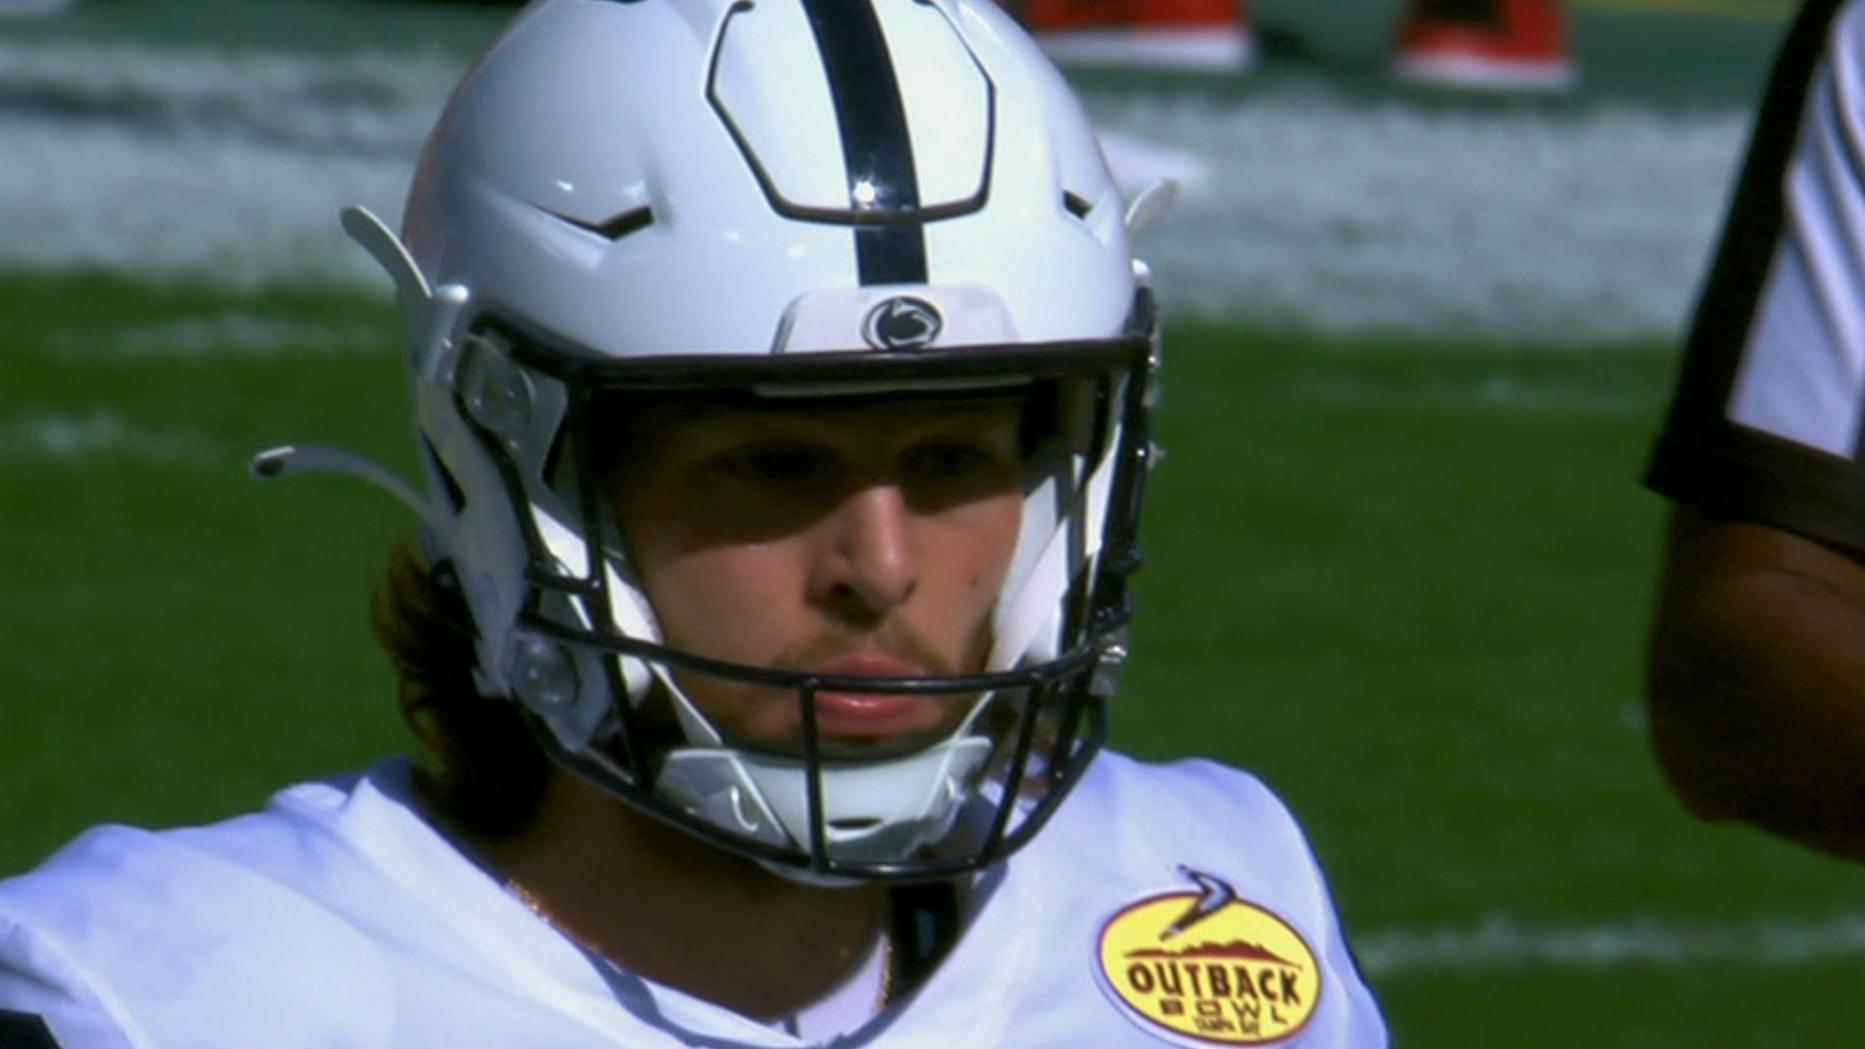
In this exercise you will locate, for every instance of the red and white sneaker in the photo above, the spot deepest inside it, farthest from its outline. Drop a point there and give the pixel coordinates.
(1520, 46)
(1171, 34)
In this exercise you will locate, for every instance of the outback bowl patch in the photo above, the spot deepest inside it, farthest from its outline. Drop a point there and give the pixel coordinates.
(1202, 967)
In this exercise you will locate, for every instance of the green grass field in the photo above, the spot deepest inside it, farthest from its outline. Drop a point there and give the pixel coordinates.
(1404, 582)
(1403, 577)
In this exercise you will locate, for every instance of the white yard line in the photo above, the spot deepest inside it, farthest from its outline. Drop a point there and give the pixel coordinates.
(1501, 942)
(1322, 211)
(225, 168)
(1303, 206)
(235, 333)
(70, 439)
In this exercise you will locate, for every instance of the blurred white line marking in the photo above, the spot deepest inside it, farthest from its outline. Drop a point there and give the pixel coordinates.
(71, 438)
(1501, 942)
(1303, 205)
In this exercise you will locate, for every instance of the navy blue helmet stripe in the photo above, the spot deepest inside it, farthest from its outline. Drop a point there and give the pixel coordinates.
(891, 254)
(877, 148)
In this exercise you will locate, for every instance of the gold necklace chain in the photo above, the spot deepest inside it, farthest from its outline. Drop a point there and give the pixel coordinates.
(536, 906)
(887, 970)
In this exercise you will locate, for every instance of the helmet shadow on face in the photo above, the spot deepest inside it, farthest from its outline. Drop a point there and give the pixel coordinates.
(746, 469)
(1014, 727)
(835, 526)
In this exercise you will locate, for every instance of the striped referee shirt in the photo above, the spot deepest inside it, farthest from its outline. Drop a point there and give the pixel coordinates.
(1765, 423)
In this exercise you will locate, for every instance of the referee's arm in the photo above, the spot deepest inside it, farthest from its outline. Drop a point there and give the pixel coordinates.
(1756, 680)
(1756, 667)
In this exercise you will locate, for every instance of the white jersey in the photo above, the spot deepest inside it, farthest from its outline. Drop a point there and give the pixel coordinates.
(1768, 421)
(1173, 904)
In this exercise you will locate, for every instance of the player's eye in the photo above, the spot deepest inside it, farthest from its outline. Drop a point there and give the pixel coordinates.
(775, 463)
(950, 459)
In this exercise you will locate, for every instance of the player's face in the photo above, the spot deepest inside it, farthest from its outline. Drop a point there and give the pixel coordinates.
(860, 540)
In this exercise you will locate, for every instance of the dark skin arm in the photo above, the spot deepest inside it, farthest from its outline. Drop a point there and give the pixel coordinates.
(1756, 680)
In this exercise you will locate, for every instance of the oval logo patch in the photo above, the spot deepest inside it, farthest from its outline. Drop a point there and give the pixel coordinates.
(902, 323)
(1206, 968)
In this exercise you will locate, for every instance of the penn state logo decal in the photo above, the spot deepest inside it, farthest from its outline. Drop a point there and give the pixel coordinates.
(902, 323)
(1203, 967)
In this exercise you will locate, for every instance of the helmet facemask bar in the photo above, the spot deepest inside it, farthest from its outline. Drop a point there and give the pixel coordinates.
(1056, 726)
(583, 626)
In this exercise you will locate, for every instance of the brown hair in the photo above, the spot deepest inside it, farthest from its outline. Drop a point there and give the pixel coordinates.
(480, 766)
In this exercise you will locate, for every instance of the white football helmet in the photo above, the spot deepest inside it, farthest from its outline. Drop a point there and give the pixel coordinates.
(777, 198)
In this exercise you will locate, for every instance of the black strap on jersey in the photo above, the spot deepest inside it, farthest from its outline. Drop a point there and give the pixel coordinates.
(923, 929)
(24, 1031)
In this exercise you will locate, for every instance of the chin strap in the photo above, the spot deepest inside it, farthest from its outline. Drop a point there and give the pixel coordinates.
(312, 458)
(870, 812)
(923, 926)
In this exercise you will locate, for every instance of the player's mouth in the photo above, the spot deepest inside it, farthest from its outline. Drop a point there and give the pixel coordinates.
(875, 715)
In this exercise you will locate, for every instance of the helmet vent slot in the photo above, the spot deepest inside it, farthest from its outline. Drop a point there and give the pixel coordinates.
(627, 222)
(632, 221)
(1077, 205)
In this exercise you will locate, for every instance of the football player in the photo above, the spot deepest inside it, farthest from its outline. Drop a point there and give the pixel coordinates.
(1757, 660)
(782, 379)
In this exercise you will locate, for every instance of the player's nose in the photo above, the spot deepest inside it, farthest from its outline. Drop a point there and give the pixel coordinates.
(865, 563)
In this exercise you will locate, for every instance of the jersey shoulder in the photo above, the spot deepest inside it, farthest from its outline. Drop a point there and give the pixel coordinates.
(127, 937)
(1173, 804)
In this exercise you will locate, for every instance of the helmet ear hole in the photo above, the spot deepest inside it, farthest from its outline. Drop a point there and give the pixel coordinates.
(495, 392)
